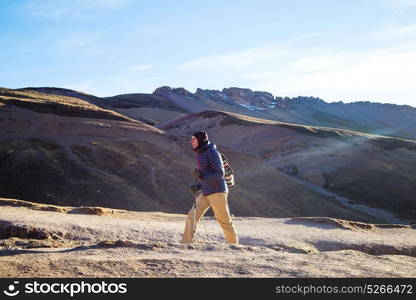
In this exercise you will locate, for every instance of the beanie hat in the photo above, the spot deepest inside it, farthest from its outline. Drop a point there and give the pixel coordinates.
(202, 138)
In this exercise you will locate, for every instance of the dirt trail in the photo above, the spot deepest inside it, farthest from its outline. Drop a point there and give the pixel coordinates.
(138, 244)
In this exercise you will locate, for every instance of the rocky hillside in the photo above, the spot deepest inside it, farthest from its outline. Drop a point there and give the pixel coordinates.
(63, 150)
(146, 108)
(371, 170)
(55, 104)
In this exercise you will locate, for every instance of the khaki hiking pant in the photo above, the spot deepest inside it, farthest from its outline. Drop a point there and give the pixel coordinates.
(219, 204)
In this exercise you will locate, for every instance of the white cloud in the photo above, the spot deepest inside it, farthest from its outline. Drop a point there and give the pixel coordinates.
(103, 3)
(121, 83)
(49, 11)
(404, 2)
(149, 29)
(381, 73)
(391, 33)
(385, 75)
(76, 41)
(321, 62)
(71, 9)
(234, 60)
(253, 56)
(140, 68)
(377, 71)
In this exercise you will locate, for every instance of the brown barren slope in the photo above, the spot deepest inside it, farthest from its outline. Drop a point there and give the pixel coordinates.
(38, 242)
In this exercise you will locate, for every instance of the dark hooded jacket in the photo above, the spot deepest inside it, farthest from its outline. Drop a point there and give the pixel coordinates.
(210, 163)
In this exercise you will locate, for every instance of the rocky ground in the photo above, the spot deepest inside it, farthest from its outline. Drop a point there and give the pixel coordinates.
(52, 241)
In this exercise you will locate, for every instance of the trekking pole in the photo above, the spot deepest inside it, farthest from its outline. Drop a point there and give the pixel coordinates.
(195, 194)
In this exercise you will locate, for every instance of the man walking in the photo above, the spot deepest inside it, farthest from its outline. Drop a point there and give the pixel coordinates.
(210, 173)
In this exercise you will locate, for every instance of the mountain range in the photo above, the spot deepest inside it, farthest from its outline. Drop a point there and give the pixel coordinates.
(167, 103)
(376, 118)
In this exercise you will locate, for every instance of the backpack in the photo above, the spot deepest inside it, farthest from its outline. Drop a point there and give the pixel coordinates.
(229, 173)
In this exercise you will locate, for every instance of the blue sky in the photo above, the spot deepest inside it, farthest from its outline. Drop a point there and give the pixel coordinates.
(357, 50)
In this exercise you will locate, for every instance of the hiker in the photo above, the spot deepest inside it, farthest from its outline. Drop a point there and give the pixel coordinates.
(212, 187)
